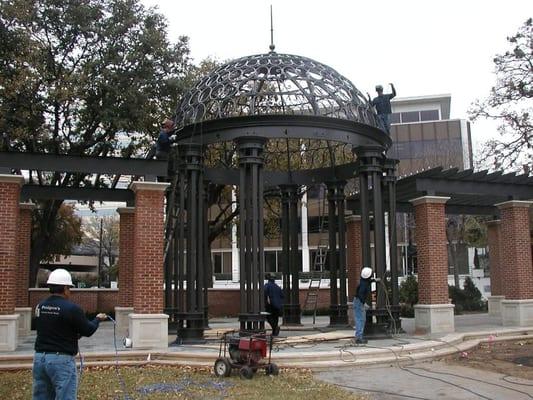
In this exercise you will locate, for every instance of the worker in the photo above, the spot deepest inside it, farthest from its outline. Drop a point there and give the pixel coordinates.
(383, 107)
(59, 323)
(359, 304)
(164, 140)
(273, 303)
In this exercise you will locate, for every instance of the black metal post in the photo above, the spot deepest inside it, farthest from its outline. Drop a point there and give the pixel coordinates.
(250, 152)
(342, 316)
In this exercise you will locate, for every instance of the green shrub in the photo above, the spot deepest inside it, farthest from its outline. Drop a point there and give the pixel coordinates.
(409, 291)
(468, 298)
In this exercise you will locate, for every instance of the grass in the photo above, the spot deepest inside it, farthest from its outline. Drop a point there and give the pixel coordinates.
(169, 382)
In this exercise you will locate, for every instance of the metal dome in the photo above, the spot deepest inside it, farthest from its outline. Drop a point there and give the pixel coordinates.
(273, 84)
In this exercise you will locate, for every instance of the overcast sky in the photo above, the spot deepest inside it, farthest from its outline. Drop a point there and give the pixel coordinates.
(423, 47)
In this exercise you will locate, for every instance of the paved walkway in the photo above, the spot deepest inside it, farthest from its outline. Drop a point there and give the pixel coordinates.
(307, 346)
(429, 381)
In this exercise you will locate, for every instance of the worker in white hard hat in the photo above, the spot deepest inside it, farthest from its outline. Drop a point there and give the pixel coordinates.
(361, 294)
(59, 323)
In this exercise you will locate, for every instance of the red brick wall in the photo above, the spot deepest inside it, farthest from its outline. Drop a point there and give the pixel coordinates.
(90, 300)
(354, 256)
(125, 260)
(9, 219)
(225, 302)
(515, 251)
(148, 249)
(222, 302)
(432, 252)
(493, 237)
(24, 243)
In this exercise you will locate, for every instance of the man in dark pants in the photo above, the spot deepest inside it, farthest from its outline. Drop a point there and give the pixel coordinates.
(60, 323)
(273, 303)
(359, 302)
(383, 107)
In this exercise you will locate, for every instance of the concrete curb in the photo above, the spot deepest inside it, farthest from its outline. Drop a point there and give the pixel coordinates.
(347, 355)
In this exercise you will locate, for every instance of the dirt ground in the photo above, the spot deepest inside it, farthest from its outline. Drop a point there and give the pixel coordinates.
(511, 358)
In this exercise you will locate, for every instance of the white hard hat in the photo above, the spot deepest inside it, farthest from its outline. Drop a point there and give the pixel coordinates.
(60, 276)
(366, 272)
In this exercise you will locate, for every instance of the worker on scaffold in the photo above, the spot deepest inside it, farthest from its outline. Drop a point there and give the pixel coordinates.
(383, 107)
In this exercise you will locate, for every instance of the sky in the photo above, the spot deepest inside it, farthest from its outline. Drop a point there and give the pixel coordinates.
(423, 47)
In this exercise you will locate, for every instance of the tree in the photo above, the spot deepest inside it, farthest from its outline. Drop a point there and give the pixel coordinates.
(509, 103)
(91, 77)
(66, 235)
(101, 237)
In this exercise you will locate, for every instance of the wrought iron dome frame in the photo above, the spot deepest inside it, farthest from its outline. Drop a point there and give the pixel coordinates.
(289, 95)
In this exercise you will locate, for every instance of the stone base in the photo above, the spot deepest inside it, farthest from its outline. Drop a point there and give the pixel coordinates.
(495, 305)
(122, 319)
(8, 332)
(24, 321)
(434, 318)
(517, 312)
(148, 331)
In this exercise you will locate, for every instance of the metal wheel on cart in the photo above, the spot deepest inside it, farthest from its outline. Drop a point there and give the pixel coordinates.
(246, 372)
(222, 367)
(272, 369)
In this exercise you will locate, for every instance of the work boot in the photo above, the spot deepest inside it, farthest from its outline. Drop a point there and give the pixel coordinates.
(361, 341)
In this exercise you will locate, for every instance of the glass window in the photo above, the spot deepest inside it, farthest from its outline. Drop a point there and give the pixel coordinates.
(226, 264)
(410, 116)
(395, 118)
(429, 115)
(217, 263)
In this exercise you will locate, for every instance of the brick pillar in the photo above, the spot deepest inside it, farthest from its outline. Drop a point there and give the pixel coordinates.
(9, 220)
(125, 268)
(515, 266)
(354, 259)
(148, 326)
(125, 260)
(23, 271)
(24, 249)
(433, 313)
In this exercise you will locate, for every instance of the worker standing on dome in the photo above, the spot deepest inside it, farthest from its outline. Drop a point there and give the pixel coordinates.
(59, 323)
(383, 107)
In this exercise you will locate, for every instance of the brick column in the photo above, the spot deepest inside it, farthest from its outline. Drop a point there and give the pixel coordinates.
(433, 313)
(9, 220)
(125, 268)
(496, 293)
(354, 259)
(515, 266)
(23, 276)
(148, 326)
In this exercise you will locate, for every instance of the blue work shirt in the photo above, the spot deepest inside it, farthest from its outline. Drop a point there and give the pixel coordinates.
(59, 324)
(273, 295)
(163, 142)
(363, 290)
(382, 103)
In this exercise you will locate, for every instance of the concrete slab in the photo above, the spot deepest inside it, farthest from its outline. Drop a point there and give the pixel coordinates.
(427, 381)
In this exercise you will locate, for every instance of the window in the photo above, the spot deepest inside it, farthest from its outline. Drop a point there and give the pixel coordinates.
(429, 115)
(270, 261)
(217, 263)
(410, 116)
(395, 118)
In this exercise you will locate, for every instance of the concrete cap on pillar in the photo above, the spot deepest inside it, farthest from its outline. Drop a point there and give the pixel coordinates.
(514, 203)
(126, 210)
(12, 179)
(430, 199)
(27, 206)
(353, 218)
(157, 186)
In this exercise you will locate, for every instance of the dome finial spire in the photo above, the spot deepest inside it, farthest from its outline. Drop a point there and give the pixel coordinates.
(272, 46)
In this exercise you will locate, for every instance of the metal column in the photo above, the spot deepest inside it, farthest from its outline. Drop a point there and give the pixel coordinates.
(250, 151)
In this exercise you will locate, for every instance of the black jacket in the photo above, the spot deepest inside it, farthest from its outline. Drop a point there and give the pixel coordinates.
(60, 323)
(363, 289)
